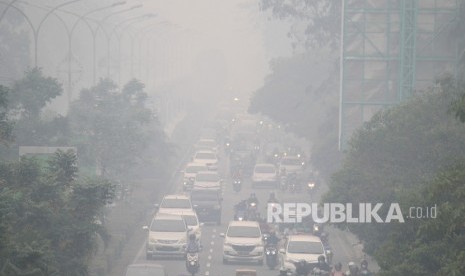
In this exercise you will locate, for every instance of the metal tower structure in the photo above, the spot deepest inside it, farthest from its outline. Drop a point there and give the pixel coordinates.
(389, 50)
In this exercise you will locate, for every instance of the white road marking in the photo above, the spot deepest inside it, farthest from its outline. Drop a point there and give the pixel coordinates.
(208, 264)
(211, 250)
(214, 230)
(212, 243)
(209, 257)
(207, 273)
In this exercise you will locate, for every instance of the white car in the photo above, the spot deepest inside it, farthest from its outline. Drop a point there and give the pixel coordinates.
(207, 144)
(167, 236)
(208, 180)
(291, 164)
(302, 247)
(265, 173)
(189, 174)
(208, 158)
(192, 222)
(172, 204)
(243, 242)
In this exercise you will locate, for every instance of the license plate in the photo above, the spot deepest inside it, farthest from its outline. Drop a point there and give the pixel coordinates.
(243, 253)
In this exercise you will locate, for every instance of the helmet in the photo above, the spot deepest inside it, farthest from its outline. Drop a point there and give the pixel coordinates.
(192, 237)
(353, 268)
(321, 259)
(338, 267)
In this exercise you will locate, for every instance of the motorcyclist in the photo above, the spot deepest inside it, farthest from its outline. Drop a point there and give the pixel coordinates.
(240, 207)
(273, 239)
(337, 271)
(353, 270)
(253, 199)
(302, 268)
(272, 198)
(322, 265)
(193, 245)
(364, 268)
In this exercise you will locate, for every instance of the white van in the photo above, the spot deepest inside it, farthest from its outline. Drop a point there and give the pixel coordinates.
(243, 242)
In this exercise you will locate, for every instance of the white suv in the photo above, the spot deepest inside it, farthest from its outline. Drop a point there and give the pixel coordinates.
(243, 242)
(189, 174)
(208, 158)
(302, 247)
(167, 236)
(208, 180)
(172, 204)
(265, 173)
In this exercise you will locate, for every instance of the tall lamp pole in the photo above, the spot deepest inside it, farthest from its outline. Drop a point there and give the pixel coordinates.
(94, 35)
(100, 24)
(119, 37)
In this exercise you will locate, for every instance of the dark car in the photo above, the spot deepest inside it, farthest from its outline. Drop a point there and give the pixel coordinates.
(207, 204)
(146, 270)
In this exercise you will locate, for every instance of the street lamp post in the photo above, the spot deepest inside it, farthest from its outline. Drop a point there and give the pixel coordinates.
(100, 24)
(82, 17)
(119, 37)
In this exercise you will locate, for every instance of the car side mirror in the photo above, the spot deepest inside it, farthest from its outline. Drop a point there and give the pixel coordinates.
(282, 251)
(156, 205)
(202, 224)
(196, 206)
(145, 227)
(222, 235)
(189, 229)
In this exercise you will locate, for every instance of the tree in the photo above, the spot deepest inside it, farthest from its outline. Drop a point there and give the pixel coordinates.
(31, 93)
(48, 216)
(114, 129)
(320, 17)
(411, 154)
(6, 126)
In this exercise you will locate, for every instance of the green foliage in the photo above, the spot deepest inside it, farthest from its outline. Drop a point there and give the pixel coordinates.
(48, 217)
(114, 129)
(412, 154)
(31, 93)
(6, 126)
(322, 19)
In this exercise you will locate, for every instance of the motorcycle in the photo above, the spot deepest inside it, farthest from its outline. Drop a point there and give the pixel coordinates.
(283, 183)
(192, 263)
(240, 215)
(252, 212)
(310, 186)
(271, 252)
(188, 183)
(237, 185)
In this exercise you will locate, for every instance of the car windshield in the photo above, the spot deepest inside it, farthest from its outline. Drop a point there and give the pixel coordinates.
(265, 169)
(168, 225)
(145, 271)
(183, 203)
(196, 169)
(207, 177)
(204, 195)
(305, 247)
(191, 220)
(207, 144)
(205, 155)
(291, 161)
(243, 232)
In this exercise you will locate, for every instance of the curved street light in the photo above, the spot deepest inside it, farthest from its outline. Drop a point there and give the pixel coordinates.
(132, 21)
(94, 36)
(100, 24)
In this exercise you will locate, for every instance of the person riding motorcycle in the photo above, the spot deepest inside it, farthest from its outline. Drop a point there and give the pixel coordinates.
(240, 207)
(353, 270)
(272, 198)
(322, 266)
(364, 268)
(272, 239)
(302, 268)
(252, 199)
(193, 245)
(337, 271)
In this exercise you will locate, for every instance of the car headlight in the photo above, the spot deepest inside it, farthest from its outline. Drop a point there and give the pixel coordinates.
(152, 241)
